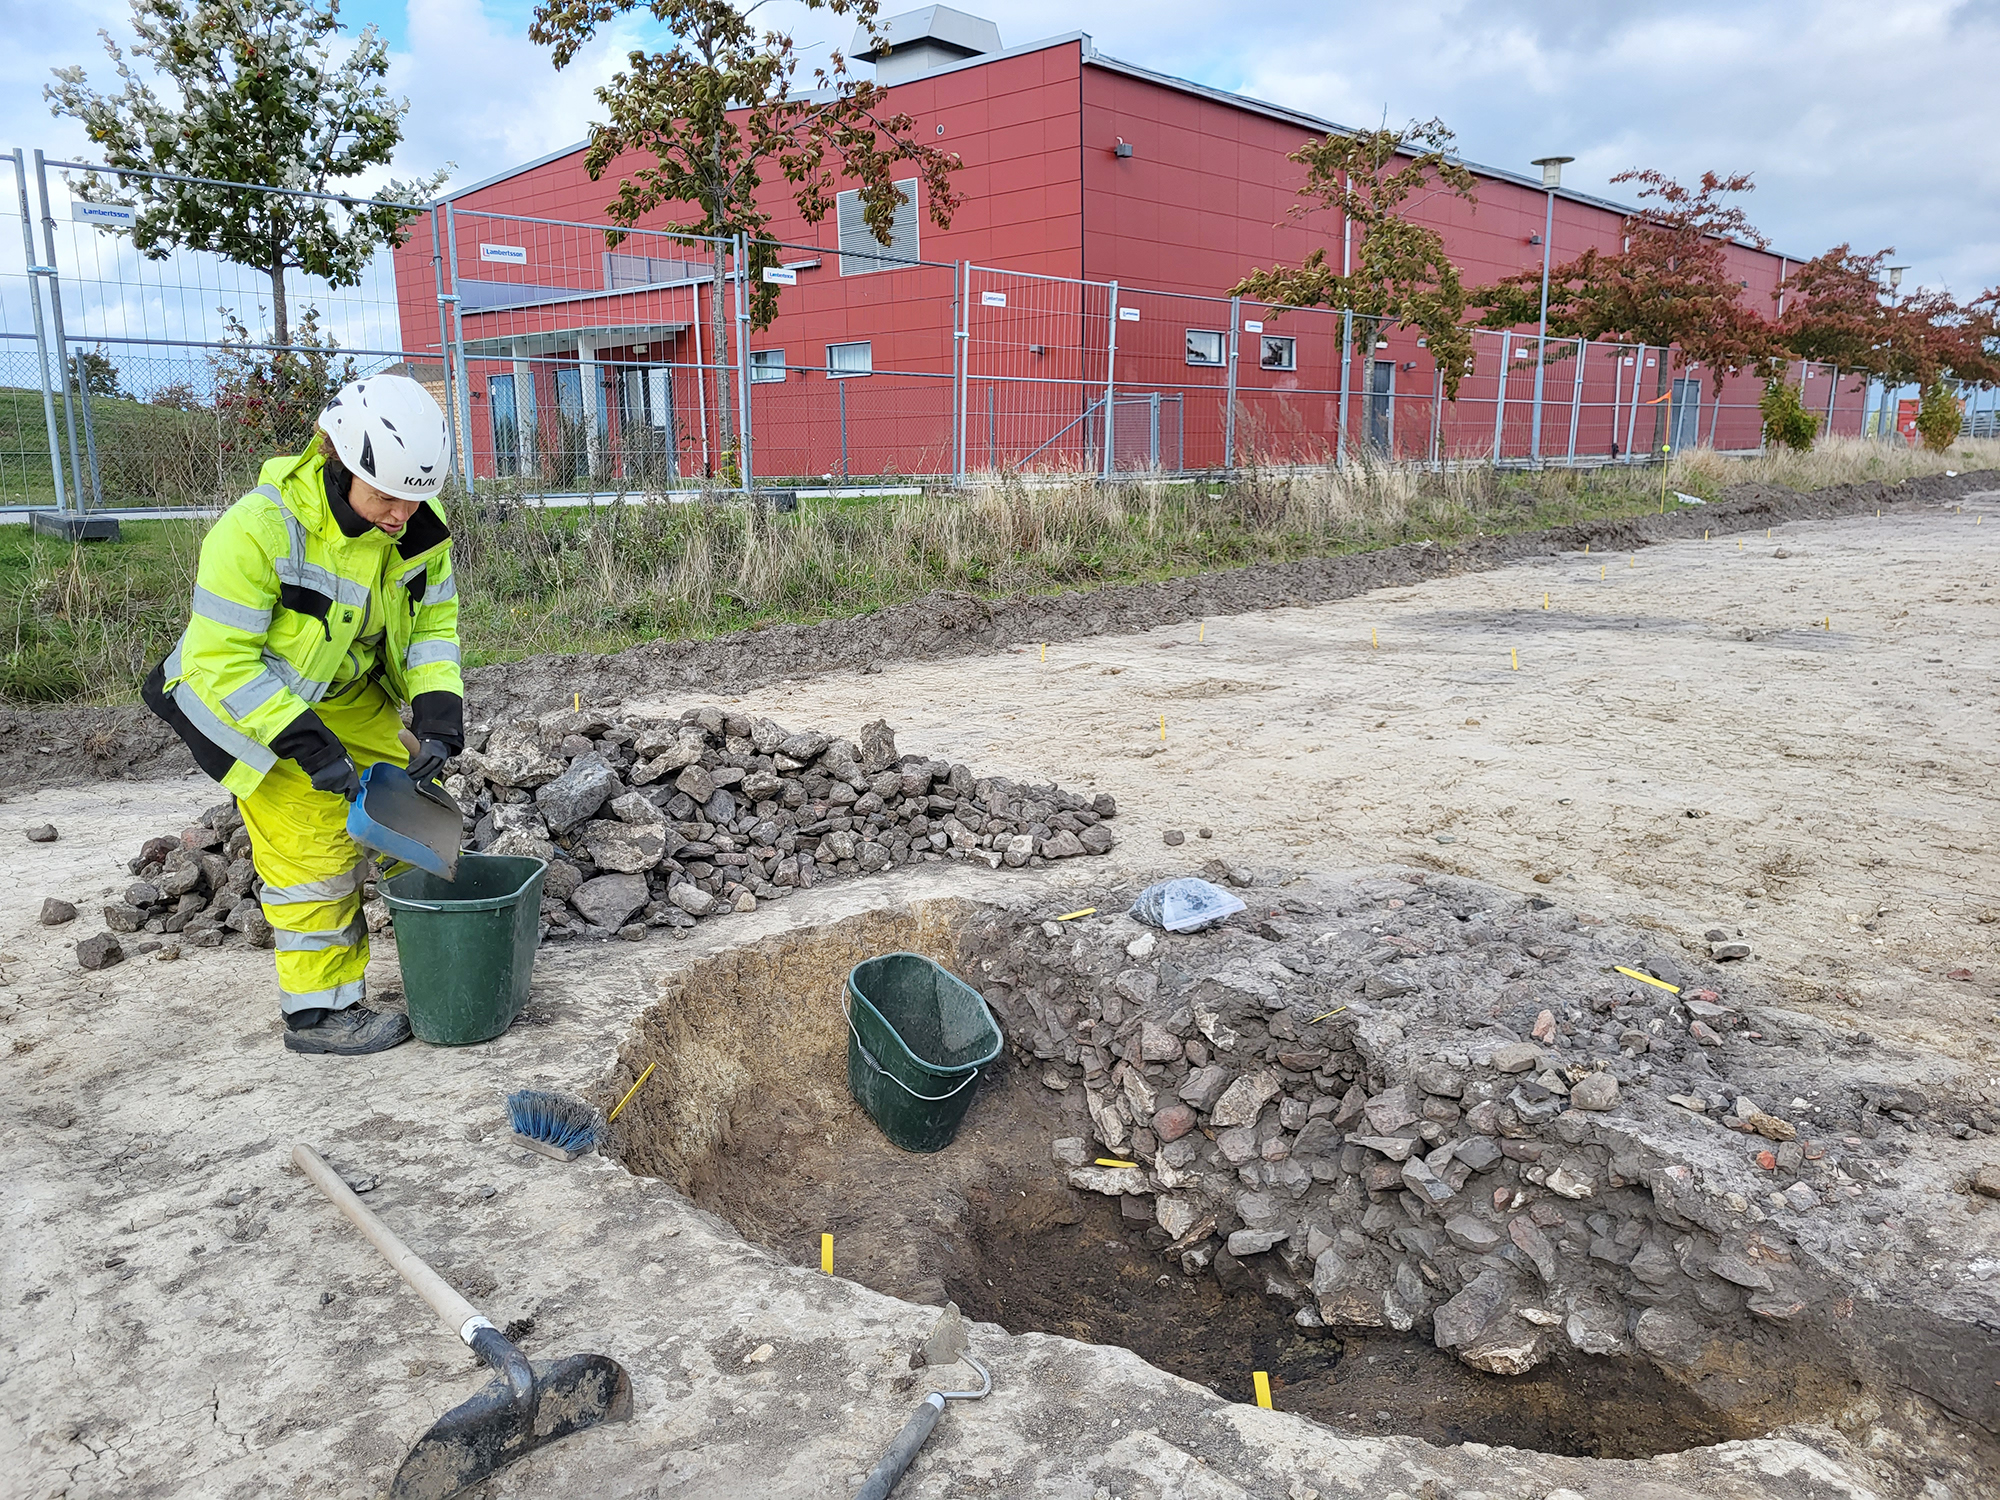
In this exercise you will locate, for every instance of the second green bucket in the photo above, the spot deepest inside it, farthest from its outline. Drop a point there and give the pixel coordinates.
(917, 1036)
(467, 946)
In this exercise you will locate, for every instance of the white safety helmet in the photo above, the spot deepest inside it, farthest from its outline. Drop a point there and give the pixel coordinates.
(390, 431)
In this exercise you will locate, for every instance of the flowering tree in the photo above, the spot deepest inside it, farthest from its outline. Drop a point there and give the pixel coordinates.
(262, 93)
(718, 111)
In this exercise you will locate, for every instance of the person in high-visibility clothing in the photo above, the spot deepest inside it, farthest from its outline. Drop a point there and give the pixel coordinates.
(324, 602)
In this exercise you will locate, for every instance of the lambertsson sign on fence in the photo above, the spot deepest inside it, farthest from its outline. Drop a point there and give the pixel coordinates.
(111, 215)
(506, 255)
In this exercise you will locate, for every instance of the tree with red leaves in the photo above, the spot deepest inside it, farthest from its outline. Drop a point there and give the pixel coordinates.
(1671, 285)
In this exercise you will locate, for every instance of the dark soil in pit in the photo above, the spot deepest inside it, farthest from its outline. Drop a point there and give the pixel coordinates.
(990, 1224)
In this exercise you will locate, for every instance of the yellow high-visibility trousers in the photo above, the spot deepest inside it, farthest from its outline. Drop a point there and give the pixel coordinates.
(312, 871)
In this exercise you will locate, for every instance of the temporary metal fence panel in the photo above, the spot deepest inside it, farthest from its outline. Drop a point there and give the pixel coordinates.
(856, 375)
(1035, 366)
(583, 357)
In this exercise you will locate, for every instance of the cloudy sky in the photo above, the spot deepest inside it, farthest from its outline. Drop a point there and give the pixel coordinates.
(1869, 123)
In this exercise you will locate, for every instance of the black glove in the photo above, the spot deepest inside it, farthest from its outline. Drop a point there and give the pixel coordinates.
(429, 759)
(338, 776)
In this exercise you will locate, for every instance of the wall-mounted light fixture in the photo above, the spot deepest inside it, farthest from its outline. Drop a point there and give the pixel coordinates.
(1123, 148)
(1534, 239)
(1038, 349)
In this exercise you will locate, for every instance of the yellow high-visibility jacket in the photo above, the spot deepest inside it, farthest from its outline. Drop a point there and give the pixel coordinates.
(284, 606)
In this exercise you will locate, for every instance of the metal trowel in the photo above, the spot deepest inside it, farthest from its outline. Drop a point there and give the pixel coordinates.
(416, 822)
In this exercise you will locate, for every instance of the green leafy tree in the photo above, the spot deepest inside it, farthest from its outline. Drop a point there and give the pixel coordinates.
(1670, 286)
(719, 112)
(1939, 417)
(256, 91)
(1400, 272)
(93, 372)
(1786, 419)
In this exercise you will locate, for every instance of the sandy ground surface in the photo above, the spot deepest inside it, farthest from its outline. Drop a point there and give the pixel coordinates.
(1793, 737)
(183, 1315)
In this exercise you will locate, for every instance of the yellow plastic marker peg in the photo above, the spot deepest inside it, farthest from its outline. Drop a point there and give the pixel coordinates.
(1515, 657)
(1199, 639)
(1163, 729)
(630, 1092)
(1671, 989)
(576, 702)
(1632, 562)
(1767, 533)
(1545, 601)
(1586, 549)
(826, 1253)
(1045, 650)
(1373, 640)
(1704, 533)
(1071, 916)
(1263, 1383)
(1829, 622)
(1112, 1161)
(1325, 1013)
(1600, 570)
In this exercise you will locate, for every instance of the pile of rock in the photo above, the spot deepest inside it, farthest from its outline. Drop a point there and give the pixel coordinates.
(196, 888)
(651, 823)
(1426, 1106)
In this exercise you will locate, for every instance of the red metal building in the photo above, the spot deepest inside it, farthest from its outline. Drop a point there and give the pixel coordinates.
(1079, 171)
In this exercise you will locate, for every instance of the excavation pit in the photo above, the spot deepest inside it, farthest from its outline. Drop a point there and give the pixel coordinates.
(1591, 1289)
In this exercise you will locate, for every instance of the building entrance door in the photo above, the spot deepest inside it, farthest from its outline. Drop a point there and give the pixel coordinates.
(1382, 405)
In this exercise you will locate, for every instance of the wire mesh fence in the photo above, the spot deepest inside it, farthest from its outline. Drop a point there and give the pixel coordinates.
(580, 359)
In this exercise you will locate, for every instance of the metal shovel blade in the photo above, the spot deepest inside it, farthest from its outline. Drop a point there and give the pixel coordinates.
(484, 1434)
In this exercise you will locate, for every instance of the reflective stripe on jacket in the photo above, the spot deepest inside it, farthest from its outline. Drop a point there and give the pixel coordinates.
(281, 596)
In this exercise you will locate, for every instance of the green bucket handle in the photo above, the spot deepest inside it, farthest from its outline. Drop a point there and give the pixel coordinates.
(848, 1011)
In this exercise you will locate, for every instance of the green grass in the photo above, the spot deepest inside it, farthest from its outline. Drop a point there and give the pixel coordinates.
(146, 454)
(86, 624)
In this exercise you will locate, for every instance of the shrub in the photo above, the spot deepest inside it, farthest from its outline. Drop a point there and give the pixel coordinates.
(1786, 420)
(1938, 417)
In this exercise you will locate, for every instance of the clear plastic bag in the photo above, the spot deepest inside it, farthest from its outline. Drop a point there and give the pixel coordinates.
(1184, 905)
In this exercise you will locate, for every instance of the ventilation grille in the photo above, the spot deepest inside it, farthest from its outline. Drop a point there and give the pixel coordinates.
(860, 251)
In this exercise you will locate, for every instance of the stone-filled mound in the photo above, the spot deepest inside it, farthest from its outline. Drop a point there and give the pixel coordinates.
(650, 823)
(658, 823)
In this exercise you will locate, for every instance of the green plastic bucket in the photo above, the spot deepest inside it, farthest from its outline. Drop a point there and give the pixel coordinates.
(467, 946)
(917, 1036)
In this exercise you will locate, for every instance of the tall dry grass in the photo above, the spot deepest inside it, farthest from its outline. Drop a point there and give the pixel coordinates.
(1832, 461)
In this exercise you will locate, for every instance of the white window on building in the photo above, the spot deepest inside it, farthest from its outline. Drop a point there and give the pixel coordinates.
(850, 359)
(767, 366)
(1204, 347)
(860, 251)
(1275, 353)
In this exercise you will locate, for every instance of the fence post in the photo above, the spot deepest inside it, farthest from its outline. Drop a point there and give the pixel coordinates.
(35, 273)
(1346, 368)
(1576, 402)
(841, 387)
(82, 385)
(1832, 394)
(56, 320)
(1632, 421)
(743, 358)
(1111, 387)
(444, 301)
(1437, 413)
(961, 349)
(1229, 407)
(1500, 399)
(457, 352)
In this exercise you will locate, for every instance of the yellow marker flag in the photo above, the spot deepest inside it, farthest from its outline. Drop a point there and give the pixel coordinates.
(1263, 1384)
(826, 1253)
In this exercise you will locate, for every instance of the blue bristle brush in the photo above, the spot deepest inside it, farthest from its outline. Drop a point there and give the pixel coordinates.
(555, 1125)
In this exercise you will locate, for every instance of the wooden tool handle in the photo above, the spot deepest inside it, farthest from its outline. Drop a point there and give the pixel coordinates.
(461, 1316)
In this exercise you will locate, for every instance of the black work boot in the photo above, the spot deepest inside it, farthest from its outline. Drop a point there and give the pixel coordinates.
(351, 1032)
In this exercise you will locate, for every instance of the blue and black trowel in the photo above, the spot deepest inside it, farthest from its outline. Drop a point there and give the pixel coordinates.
(414, 822)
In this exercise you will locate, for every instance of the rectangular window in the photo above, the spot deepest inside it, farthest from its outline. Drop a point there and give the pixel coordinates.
(1203, 347)
(767, 366)
(1275, 353)
(860, 251)
(850, 359)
